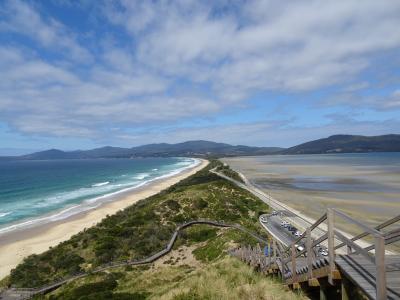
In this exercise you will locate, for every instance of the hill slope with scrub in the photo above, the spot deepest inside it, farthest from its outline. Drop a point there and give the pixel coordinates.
(145, 228)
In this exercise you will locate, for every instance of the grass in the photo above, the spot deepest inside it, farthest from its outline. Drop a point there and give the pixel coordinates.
(144, 228)
(198, 267)
(226, 278)
(226, 170)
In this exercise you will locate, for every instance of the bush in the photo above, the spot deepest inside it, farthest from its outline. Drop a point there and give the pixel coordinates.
(202, 235)
(200, 203)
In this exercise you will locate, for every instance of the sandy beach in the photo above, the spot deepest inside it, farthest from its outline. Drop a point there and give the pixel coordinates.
(16, 245)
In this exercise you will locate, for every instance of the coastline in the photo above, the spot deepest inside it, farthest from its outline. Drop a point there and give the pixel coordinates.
(16, 245)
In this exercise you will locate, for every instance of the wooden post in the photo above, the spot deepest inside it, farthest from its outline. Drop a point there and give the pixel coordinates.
(309, 253)
(294, 274)
(331, 244)
(274, 249)
(346, 289)
(380, 267)
(269, 254)
(323, 292)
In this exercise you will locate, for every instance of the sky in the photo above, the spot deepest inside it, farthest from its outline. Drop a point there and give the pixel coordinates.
(85, 74)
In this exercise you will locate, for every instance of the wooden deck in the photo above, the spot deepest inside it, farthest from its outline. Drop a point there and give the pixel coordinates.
(372, 270)
(362, 273)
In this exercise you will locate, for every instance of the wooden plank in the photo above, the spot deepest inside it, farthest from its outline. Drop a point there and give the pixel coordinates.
(313, 282)
(331, 243)
(309, 254)
(381, 292)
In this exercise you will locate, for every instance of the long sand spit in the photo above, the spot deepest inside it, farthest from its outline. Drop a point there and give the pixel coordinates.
(14, 246)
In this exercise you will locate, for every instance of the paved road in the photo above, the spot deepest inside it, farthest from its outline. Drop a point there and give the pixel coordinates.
(273, 226)
(288, 214)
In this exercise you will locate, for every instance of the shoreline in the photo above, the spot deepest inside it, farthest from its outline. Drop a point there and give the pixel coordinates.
(16, 245)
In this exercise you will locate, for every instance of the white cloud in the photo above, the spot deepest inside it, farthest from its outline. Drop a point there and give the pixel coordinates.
(22, 18)
(37, 97)
(186, 60)
(271, 45)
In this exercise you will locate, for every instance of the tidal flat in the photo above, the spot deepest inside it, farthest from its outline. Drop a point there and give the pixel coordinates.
(366, 186)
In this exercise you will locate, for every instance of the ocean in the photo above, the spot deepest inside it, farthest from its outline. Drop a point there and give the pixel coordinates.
(36, 192)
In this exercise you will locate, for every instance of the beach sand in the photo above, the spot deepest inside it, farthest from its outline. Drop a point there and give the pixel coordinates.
(14, 246)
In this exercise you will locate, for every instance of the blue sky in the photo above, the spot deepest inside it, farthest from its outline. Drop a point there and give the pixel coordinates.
(84, 74)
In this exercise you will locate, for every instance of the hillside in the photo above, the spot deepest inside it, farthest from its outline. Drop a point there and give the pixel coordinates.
(145, 228)
(348, 144)
(223, 279)
(190, 148)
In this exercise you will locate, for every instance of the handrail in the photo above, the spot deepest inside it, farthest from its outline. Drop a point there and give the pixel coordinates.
(378, 259)
(379, 227)
(354, 245)
(146, 260)
(358, 223)
(315, 243)
(390, 238)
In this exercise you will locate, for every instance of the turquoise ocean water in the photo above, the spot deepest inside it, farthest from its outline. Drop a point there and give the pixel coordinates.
(37, 192)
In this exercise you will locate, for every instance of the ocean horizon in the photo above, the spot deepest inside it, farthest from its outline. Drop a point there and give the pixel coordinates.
(35, 192)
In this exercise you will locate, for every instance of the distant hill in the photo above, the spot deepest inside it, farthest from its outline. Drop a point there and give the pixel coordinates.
(348, 144)
(190, 148)
(332, 144)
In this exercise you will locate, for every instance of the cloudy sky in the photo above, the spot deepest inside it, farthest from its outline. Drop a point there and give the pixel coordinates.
(83, 74)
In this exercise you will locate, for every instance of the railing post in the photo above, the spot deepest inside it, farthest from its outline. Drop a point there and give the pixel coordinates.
(274, 249)
(294, 274)
(269, 254)
(331, 243)
(309, 253)
(380, 267)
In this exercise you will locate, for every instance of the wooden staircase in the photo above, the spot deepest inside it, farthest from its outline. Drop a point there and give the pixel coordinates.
(373, 270)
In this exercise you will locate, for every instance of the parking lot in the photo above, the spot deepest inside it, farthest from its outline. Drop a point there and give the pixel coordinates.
(278, 226)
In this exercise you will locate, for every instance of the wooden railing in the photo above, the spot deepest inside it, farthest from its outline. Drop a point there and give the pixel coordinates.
(291, 255)
(287, 259)
(26, 293)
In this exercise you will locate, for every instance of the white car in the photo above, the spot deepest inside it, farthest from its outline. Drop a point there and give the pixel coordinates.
(264, 219)
(299, 247)
(297, 233)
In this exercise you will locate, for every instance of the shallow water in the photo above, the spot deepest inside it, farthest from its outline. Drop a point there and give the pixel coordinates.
(34, 192)
(363, 185)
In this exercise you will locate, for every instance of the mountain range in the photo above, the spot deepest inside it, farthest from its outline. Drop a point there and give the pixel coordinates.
(332, 144)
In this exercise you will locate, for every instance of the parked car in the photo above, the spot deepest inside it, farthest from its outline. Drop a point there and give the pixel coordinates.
(297, 233)
(323, 251)
(274, 213)
(299, 247)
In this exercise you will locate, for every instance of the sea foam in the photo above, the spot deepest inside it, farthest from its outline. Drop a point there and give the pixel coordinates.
(100, 184)
(104, 191)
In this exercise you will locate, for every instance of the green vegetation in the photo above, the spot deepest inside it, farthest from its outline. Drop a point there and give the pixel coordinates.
(226, 278)
(197, 268)
(145, 228)
(226, 170)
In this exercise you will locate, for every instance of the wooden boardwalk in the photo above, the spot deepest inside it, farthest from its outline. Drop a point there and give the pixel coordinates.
(27, 293)
(372, 270)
